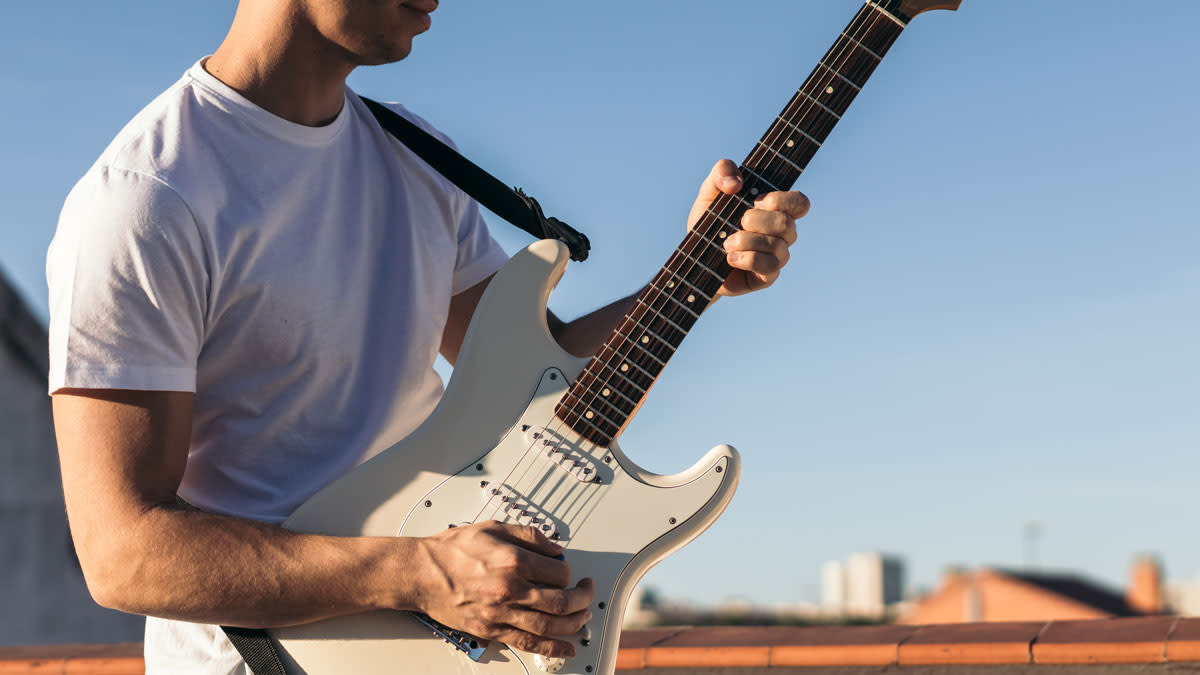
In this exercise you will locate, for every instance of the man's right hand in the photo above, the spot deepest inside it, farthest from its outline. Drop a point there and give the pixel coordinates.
(503, 582)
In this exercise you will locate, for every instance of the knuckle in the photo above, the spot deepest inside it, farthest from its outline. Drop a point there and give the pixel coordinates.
(557, 603)
(508, 558)
(491, 614)
(541, 624)
(525, 642)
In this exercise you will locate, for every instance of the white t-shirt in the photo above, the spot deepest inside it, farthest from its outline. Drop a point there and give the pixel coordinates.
(297, 279)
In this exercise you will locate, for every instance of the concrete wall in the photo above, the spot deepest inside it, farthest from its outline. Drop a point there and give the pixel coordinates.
(43, 599)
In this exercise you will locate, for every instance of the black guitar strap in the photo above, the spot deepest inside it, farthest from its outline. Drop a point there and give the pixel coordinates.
(513, 205)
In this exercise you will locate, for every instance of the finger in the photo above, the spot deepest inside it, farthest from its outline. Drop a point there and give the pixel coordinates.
(740, 242)
(527, 537)
(560, 602)
(765, 265)
(773, 223)
(528, 642)
(546, 625)
(794, 204)
(723, 179)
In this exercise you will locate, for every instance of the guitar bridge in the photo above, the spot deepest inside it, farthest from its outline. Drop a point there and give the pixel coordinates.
(466, 643)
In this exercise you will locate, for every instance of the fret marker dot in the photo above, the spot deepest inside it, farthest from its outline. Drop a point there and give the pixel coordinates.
(624, 367)
(691, 298)
(606, 391)
(790, 143)
(670, 284)
(645, 339)
(829, 89)
(723, 234)
(753, 190)
(589, 414)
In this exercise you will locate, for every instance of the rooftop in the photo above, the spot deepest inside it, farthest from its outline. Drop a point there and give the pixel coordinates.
(1140, 644)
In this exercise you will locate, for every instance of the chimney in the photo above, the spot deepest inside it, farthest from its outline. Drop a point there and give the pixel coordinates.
(1145, 592)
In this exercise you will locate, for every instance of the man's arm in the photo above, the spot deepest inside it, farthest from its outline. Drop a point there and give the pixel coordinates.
(757, 254)
(123, 454)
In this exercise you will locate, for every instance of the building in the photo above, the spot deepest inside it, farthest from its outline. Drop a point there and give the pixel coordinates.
(984, 595)
(45, 600)
(865, 585)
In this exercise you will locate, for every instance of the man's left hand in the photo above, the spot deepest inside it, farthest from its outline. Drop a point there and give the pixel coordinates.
(760, 250)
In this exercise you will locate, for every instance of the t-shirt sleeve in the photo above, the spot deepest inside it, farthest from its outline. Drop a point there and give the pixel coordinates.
(128, 286)
(479, 256)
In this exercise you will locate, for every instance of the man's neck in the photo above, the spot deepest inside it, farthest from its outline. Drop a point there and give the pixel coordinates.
(296, 74)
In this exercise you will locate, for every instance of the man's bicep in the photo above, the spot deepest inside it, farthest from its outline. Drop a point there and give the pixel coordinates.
(122, 452)
(462, 308)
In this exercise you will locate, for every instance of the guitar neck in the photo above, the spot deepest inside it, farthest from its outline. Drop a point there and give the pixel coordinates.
(613, 385)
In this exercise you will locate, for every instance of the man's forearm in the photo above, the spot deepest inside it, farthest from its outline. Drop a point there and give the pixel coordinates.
(194, 566)
(584, 336)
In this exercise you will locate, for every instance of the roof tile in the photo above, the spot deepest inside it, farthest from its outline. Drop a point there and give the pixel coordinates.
(972, 643)
(1131, 640)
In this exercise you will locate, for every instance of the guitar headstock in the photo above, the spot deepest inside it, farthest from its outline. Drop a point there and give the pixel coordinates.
(912, 8)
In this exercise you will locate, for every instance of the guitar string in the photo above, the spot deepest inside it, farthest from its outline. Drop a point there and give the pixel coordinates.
(733, 204)
(755, 155)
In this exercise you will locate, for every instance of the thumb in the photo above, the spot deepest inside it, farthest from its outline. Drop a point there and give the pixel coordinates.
(723, 179)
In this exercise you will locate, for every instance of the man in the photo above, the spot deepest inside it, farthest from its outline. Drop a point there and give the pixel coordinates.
(248, 291)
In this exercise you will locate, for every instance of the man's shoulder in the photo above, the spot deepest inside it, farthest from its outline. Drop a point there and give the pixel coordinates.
(148, 142)
(408, 114)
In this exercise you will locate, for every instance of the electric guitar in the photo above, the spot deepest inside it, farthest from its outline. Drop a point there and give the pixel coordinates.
(527, 433)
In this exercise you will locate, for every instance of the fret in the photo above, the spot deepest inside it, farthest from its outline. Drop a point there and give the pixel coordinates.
(707, 298)
(863, 47)
(798, 130)
(599, 393)
(602, 416)
(795, 167)
(669, 287)
(791, 165)
(630, 352)
(717, 247)
(697, 263)
(745, 202)
(762, 180)
(583, 420)
(638, 319)
(643, 351)
(627, 360)
(887, 14)
(814, 119)
(724, 220)
(598, 398)
(647, 331)
(674, 325)
(875, 34)
(841, 77)
(623, 374)
(827, 109)
(831, 92)
(681, 305)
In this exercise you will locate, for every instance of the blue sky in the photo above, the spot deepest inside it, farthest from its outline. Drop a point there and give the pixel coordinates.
(991, 314)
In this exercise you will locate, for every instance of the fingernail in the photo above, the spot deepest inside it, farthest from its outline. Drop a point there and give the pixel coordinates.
(730, 182)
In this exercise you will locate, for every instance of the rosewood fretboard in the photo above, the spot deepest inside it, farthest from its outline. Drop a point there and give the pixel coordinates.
(613, 385)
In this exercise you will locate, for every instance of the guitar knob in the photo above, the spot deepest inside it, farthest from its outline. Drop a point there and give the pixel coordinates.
(549, 664)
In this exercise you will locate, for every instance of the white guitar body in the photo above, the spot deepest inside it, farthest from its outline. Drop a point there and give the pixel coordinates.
(494, 437)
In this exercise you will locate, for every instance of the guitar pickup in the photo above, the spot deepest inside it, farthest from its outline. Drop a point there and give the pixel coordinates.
(561, 452)
(509, 507)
